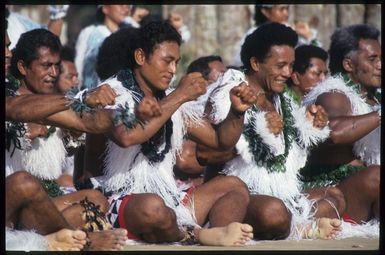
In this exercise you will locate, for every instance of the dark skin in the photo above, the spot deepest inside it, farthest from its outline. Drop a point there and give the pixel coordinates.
(363, 67)
(153, 74)
(267, 78)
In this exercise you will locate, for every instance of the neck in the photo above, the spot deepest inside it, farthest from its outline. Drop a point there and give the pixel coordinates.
(147, 90)
(265, 97)
(363, 89)
(297, 91)
(112, 26)
(24, 88)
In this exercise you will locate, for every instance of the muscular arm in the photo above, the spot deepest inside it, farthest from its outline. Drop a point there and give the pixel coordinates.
(207, 156)
(346, 129)
(126, 137)
(229, 130)
(190, 87)
(32, 107)
(222, 138)
(97, 122)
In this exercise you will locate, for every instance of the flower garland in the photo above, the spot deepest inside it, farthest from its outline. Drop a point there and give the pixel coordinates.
(261, 151)
(148, 148)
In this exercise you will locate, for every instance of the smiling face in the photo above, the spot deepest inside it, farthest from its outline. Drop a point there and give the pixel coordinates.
(156, 71)
(315, 73)
(40, 76)
(366, 64)
(276, 68)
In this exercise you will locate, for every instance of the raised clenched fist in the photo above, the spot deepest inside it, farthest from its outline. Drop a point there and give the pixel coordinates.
(101, 96)
(191, 86)
(274, 122)
(242, 98)
(147, 109)
(317, 115)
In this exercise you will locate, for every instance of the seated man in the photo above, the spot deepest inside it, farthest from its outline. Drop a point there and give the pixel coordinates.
(274, 143)
(308, 70)
(187, 166)
(352, 99)
(140, 155)
(27, 204)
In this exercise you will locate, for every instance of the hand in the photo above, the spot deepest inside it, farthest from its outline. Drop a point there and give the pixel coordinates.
(147, 109)
(317, 115)
(274, 122)
(242, 98)
(57, 11)
(191, 86)
(176, 20)
(36, 130)
(303, 29)
(139, 14)
(101, 96)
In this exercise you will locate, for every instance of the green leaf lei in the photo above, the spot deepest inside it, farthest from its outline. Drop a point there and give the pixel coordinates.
(14, 130)
(148, 148)
(77, 105)
(356, 87)
(261, 151)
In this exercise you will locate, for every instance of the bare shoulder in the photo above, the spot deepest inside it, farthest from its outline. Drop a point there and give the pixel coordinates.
(335, 103)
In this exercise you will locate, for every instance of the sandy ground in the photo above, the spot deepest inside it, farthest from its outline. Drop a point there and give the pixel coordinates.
(357, 244)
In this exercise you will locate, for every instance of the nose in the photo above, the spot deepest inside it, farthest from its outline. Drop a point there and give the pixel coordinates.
(172, 67)
(378, 66)
(322, 77)
(76, 81)
(54, 71)
(8, 53)
(287, 70)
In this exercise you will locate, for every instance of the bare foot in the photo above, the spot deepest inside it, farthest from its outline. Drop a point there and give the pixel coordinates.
(329, 228)
(108, 240)
(326, 228)
(66, 240)
(234, 234)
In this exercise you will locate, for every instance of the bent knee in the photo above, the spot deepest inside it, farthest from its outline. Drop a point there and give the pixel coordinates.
(151, 210)
(24, 184)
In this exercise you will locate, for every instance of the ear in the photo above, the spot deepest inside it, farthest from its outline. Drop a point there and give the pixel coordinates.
(140, 57)
(295, 79)
(21, 67)
(254, 64)
(104, 9)
(347, 64)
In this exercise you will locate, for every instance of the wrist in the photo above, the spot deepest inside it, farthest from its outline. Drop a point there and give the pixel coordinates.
(237, 113)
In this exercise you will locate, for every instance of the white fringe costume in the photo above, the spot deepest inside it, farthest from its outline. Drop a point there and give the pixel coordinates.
(284, 185)
(26, 240)
(42, 157)
(367, 148)
(128, 171)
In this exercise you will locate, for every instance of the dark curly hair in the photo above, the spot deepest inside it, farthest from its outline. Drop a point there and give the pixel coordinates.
(116, 52)
(27, 47)
(67, 53)
(155, 33)
(345, 41)
(304, 53)
(201, 65)
(258, 43)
